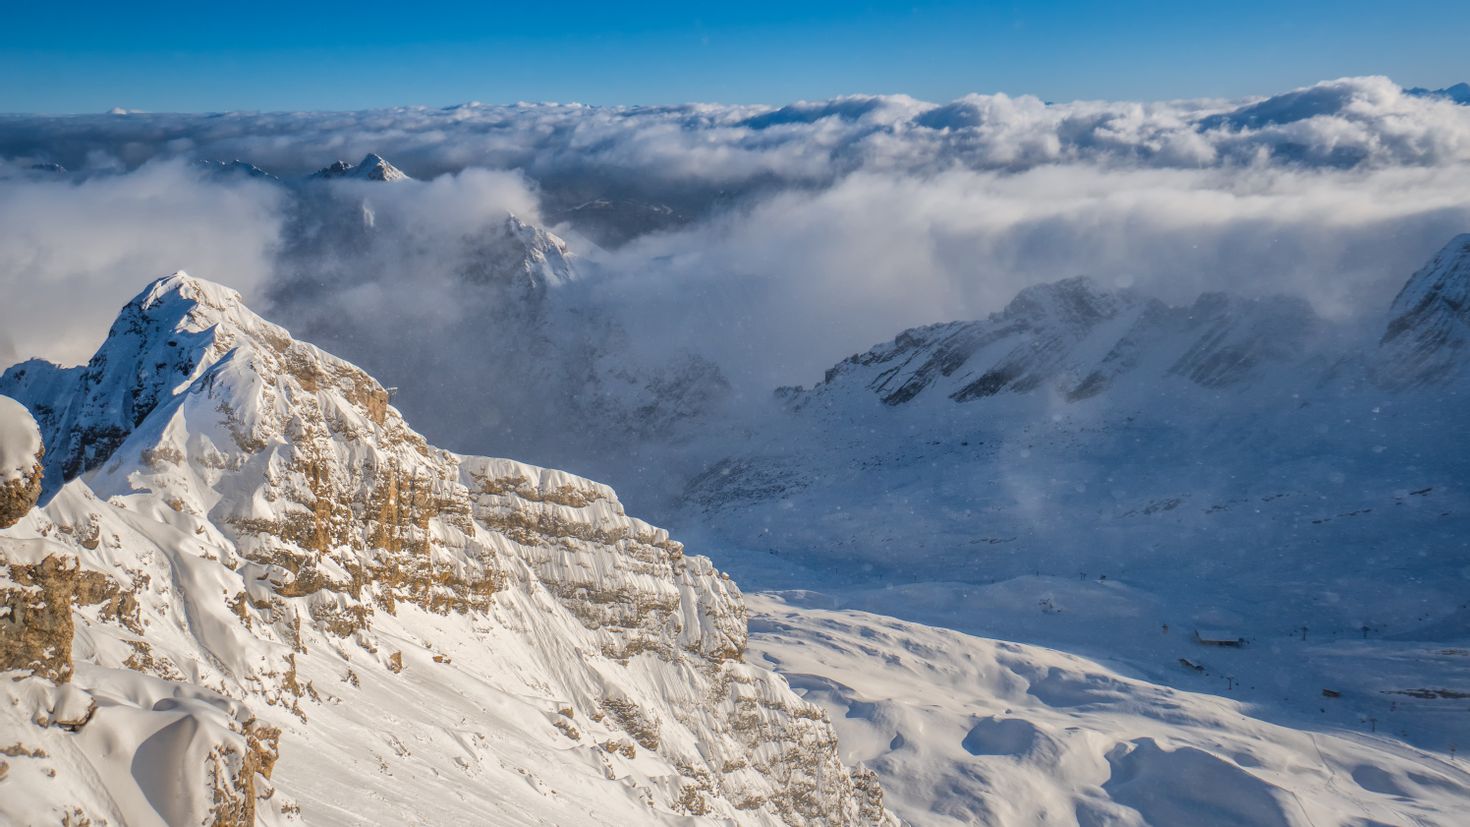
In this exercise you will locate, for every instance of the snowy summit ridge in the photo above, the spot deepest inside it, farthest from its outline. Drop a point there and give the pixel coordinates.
(262, 589)
(371, 168)
(1077, 339)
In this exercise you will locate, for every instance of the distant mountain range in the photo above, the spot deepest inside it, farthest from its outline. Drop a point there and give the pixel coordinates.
(1459, 93)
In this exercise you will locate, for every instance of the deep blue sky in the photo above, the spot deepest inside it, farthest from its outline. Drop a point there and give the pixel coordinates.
(92, 55)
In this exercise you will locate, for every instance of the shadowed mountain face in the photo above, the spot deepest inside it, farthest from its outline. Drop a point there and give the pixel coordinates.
(360, 271)
(1428, 337)
(1077, 339)
(1082, 423)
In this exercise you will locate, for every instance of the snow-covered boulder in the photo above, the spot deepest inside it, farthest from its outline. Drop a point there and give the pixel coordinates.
(20, 461)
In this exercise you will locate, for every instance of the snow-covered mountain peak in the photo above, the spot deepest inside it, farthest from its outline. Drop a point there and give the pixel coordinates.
(372, 167)
(1427, 340)
(546, 253)
(162, 340)
(264, 532)
(180, 286)
(1075, 302)
(520, 256)
(233, 168)
(336, 169)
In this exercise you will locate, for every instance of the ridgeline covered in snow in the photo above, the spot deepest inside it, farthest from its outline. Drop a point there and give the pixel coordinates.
(253, 594)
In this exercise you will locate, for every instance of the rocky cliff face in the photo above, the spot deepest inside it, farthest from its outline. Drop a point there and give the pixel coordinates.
(256, 558)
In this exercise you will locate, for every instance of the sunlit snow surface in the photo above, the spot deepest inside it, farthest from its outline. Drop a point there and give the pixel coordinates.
(1240, 477)
(966, 730)
(20, 442)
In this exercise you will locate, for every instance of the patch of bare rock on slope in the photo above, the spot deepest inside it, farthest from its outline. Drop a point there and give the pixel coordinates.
(252, 594)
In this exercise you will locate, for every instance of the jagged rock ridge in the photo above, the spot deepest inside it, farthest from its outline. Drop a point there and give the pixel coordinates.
(258, 577)
(519, 256)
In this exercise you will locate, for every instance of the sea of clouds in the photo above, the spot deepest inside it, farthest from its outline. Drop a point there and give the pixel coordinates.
(790, 236)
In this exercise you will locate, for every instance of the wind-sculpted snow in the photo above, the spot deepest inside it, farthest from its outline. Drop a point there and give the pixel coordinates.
(273, 601)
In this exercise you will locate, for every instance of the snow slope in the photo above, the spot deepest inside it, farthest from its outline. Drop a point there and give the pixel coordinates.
(964, 730)
(20, 461)
(1427, 341)
(264, 598)
(1098, 473)
(372, 167)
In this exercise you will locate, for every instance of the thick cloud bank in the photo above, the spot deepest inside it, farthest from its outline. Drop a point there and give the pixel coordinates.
(772, 240)
(73, 251)
(1347, 122)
